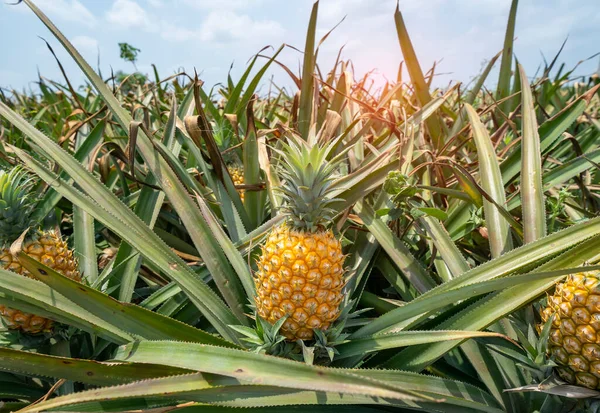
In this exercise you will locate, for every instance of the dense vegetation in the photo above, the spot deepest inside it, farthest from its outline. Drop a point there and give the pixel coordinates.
(458, 211)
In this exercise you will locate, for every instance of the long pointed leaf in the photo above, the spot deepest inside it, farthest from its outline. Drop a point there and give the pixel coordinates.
(532, 194)
(491, 182)
(257, 368)
(131, 318)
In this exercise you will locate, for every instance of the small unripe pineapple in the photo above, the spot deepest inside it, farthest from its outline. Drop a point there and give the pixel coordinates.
(300, 270)
(574, 341)
(237, 176)
(45, 247)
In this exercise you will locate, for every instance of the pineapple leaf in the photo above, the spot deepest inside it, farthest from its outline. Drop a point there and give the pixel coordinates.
(134, 319)
(34, 297)
(82, 371)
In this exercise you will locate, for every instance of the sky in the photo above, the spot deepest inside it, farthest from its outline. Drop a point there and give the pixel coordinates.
(212, 35)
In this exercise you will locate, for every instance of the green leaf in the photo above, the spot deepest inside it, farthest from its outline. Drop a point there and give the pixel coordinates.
(19, 391)
(254, 83)
(549, 132)
(561, 174)
(233, 255)
(207, 388)
(51, 197)
(305, 108)
(131, 318)
(433, 212)
(417, 78)
(127, 261)
(254, 201)
(171, 387)
(356, 190)
(258, 368)
(83, 371)
(532, 194)
(507, 56)
(84, 237)
(447, 249)
(453, 392)
(403, 316)
(487, 368)
(84, 242)
(31, 296)
(491, 182)
(365, 345)
(398, 252)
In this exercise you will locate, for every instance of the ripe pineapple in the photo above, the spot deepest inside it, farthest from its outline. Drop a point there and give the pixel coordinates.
(47, 247)
(300, 270)
(237, 175)
(574, 340)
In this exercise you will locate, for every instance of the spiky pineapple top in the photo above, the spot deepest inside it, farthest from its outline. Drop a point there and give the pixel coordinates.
(16, 204)
(308, 186)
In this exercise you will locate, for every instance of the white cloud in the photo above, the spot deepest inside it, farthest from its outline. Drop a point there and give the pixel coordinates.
(86, 45)
(336, 9)
(176, 33)
(222, 4)
(70, 10)
(222, 23)
(127, 14)
(223, 26)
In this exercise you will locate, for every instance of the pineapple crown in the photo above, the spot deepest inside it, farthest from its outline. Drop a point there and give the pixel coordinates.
(309, 182)
(16, 203)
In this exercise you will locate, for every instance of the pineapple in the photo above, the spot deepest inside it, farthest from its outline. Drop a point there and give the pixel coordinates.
(47, 247)
(574, 341)
(300, 269)
(237, 175)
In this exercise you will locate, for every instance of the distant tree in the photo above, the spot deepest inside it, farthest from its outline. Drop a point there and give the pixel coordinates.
(129, 53)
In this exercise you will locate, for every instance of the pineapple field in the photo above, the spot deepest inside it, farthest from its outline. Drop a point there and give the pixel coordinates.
(336, 247)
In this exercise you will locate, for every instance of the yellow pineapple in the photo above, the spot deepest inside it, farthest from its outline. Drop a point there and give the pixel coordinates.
(47, 247)
(237, 175)
(300, 270)
(574, 341)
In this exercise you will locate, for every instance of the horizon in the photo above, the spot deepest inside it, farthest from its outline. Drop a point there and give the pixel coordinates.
(232, 31)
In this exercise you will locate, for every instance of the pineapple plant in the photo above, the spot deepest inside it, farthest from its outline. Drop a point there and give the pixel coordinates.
(300, 270)
(16, 208)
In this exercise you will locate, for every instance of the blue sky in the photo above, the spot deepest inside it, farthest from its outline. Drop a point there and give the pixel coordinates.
(211, 35)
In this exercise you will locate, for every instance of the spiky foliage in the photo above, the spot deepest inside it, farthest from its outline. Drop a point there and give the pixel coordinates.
(16, 204)
(308, 182)
(419, 251)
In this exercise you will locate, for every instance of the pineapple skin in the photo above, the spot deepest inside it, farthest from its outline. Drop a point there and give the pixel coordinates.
(574, 341)
(52, 251)
(237, 176)
(300, 274)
